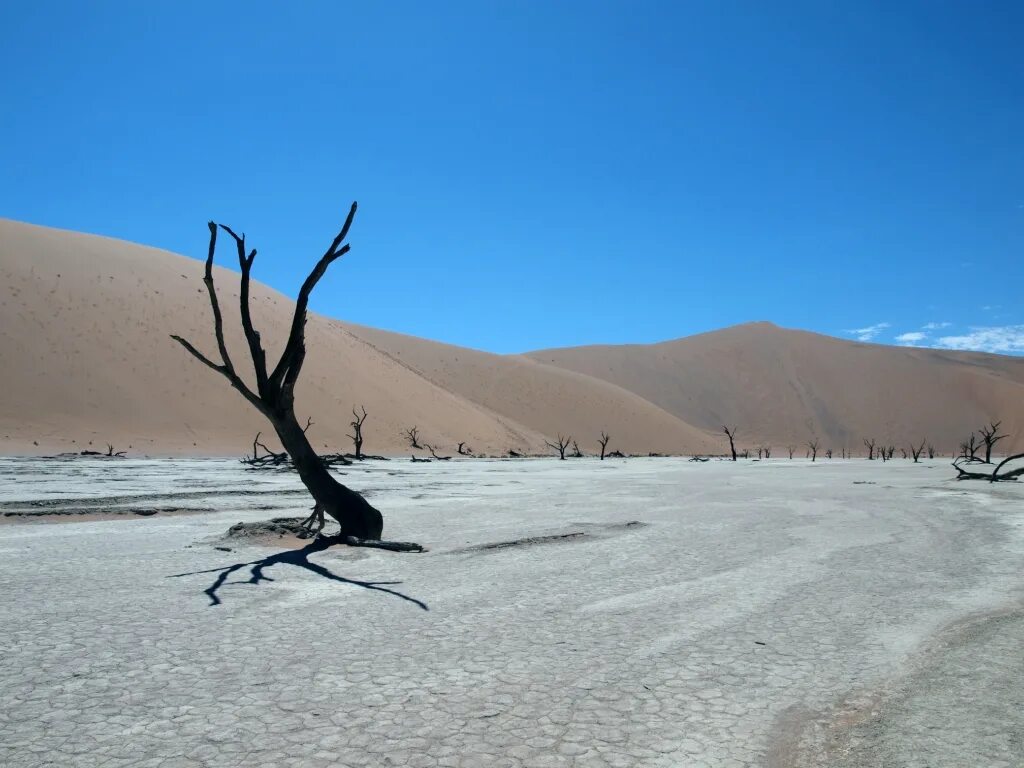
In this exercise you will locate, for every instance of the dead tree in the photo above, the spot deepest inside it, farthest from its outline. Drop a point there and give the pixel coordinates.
(463, 451)
(434, 453)
(969, 451)
(990, 435)
(931, 451)
(563, 443)
(760, 451)
(870, 445)
(604, 443)
(916, 452)
(731, 434)
(995, 476)
(828, 454)
(767, 451)
(891, 450)
(274, 393)
(413, 436)
(357, 430)
(812, 446)
(576, 452)
(111, 453)
(790, 448)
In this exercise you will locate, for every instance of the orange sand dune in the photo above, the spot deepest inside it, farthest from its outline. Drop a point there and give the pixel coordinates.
(781, 387)
(87, 360)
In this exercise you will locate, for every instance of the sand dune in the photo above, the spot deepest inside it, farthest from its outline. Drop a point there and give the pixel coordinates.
(782, 386)
(87, 360)
(84, 324)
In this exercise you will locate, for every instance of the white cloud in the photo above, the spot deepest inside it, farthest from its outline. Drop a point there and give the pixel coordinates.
(911, 338)
(1005, 339)
(868, 333)
(935, 326)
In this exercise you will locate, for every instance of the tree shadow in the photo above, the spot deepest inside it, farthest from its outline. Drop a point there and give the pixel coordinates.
(297, 557)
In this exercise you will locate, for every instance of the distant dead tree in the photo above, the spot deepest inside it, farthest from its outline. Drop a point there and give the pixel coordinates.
(767, 451)
(604, 443)
(413, 436)
(576, 452)
(890, 451)
(563, 443)
(357, 429)
(828, 454)
(274, 395)
(791, 448)
(916, 452)
(969, 451)
(111, 453)
(903, 452)
(931, 451)
(812, 446)
(731, 434)
(990, 435)
(434, 453)
(870, 445)
(463, 450)
(760, 451)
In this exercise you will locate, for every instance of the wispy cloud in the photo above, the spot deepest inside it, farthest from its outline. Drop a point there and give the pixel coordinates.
(911, 338)
(935, 326)
(1005, 339)
(869, 332)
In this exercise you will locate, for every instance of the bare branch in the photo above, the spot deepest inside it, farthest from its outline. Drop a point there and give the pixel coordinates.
(287, 369)
(252, 336)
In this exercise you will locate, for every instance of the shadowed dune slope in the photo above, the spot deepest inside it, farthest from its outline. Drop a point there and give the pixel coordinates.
(780, 386)
(87, 360)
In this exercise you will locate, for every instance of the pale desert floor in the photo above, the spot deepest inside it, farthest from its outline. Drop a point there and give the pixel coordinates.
(762, 614)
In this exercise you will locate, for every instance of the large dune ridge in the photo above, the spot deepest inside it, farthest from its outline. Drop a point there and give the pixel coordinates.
(784, 387)
(88, 360)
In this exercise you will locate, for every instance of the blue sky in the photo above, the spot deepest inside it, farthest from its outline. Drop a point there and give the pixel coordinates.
(537, 174)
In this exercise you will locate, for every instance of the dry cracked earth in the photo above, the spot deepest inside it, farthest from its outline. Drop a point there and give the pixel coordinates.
(646, 612)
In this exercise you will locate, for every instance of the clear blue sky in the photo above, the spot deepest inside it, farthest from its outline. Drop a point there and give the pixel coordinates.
(535, 174)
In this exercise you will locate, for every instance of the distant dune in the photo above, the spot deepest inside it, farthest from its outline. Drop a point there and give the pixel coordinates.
(779, 387)
(87, 360)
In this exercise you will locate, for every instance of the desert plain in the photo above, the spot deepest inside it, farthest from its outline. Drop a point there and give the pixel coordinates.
(627, 612)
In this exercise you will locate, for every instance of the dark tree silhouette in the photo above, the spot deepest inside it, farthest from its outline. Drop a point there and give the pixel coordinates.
(969, 450)
(604, 443)
(870, 445)
(463, 451)
(434, 453)
(563, 443)
(990, 436)
(790, 448)
(274, 394)
(916, 452)
(413, 436)
(357, 430)
(731, 434)
(828, 454)
(995, 476)
(931, 451)
(812, 446)
(576, 452)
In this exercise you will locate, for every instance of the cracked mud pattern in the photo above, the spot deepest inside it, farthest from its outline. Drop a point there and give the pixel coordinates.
(755, 617)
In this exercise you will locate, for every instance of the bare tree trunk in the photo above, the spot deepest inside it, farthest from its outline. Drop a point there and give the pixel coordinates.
(274, 394)
(604, 443)
(731, 434)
